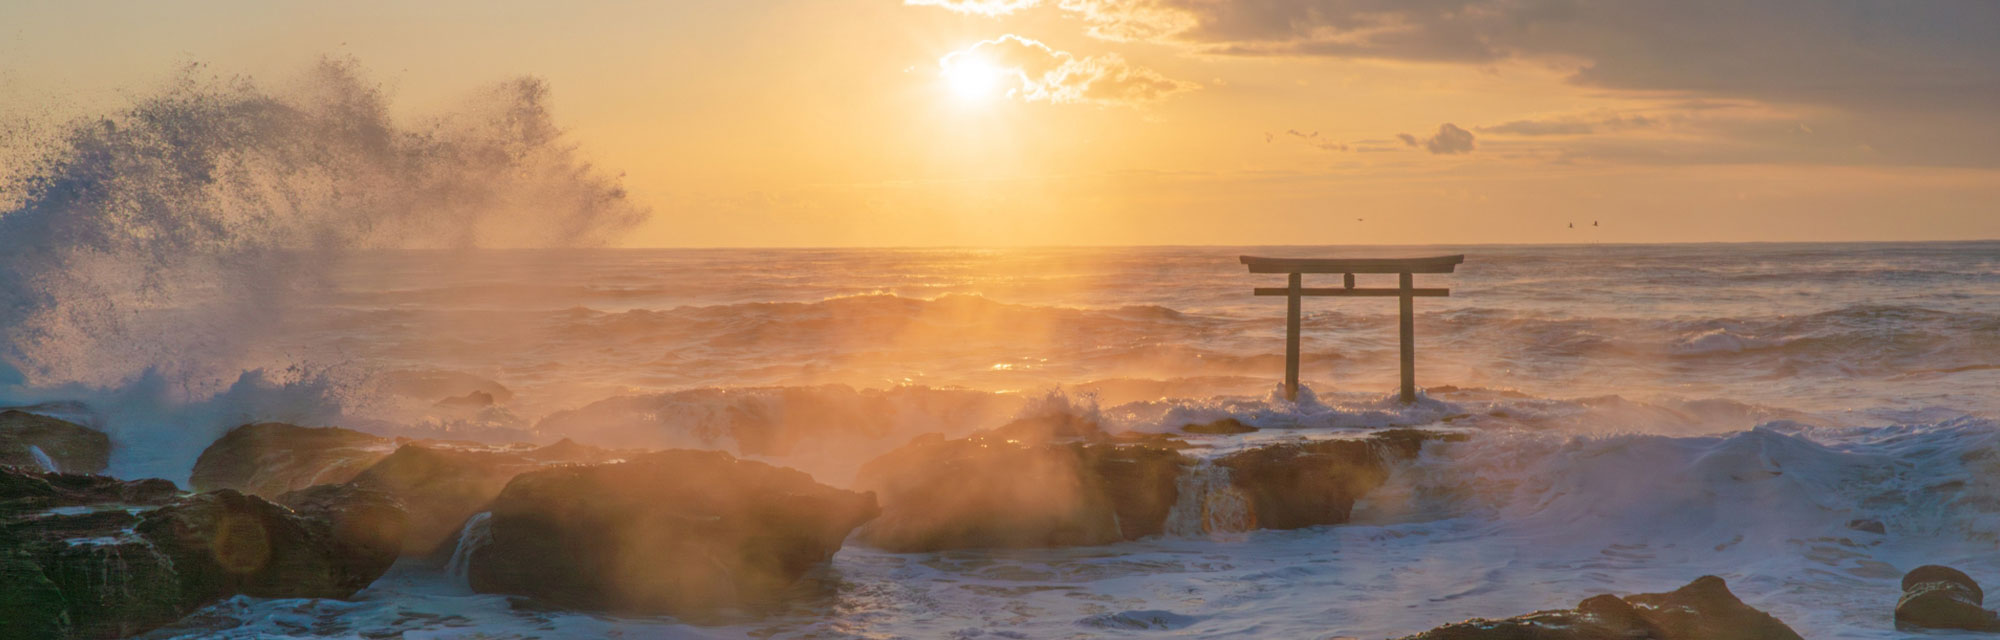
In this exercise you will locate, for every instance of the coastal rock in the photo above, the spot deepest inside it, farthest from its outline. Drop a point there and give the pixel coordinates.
(94, 557)
(268, 459)
(1017, 487)
(442, 484)
(1940, 597)
(72, 447)
(676, 532)
(439, 385)
(367, 527)
(1703, 610)
(1301, 484)
(440, 488)
(1224, 426)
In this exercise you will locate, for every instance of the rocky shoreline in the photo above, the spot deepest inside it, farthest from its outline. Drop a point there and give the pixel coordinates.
(285, 511)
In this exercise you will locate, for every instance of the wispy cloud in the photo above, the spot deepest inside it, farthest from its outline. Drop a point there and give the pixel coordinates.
(1036, 72)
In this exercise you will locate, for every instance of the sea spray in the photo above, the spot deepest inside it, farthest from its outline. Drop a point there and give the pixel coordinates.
(478, 531)
(169, 243)
(42, 459)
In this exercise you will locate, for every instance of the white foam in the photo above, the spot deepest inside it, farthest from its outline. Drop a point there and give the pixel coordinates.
(477, 533)
(42, 459)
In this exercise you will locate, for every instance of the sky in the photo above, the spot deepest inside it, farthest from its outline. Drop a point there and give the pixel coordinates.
(1133, 122)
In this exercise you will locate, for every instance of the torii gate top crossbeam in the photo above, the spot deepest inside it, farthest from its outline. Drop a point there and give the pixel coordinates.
(1406, 291)
(1436, 264)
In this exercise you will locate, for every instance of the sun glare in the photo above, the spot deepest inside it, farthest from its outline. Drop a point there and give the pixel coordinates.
(971, 78)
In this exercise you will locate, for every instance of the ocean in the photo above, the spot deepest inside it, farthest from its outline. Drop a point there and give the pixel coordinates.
(1641, 415)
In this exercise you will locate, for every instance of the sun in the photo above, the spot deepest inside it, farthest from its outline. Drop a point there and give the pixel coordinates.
(972, 78)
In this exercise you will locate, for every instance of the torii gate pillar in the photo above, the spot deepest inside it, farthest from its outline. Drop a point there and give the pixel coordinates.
(1405, 268)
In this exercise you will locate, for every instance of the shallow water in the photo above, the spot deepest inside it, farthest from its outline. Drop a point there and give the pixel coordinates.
(1642, 415)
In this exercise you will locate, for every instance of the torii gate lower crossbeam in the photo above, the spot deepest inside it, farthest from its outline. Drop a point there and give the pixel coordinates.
(1405, 268)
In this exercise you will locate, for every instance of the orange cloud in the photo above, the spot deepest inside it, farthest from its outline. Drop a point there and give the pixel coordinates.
(1037, 72)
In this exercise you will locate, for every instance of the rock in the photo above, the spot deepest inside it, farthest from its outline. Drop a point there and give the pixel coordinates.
(434, 385)
(1702, 610)
(1045, 428)
(72, 447)
(1868, 525)
(1224, 426)
(1940, 597)
(440, 484)
(268, 459)
(367, 528)
(1014, 487)
(441, 487)
(224, 542)
(471, 400)
(1302, 484)
(679, 532)
(93, 557)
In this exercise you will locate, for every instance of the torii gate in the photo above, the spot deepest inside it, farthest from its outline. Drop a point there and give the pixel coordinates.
(1404, 267)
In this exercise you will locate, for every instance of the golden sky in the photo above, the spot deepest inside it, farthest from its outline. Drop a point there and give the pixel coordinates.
(1108, 122)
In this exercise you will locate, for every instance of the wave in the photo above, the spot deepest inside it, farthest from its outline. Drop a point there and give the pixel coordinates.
(1772, 488)
(174, 234)
(151, 257)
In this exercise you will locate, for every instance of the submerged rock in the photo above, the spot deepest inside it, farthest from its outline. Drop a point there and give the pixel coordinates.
(269, 459)
(71, 447)
(1940, 597)
(1702, 610)
(1301, 484)
(1018, 487)
(1224, 426)
(676, 532)
(93, 557)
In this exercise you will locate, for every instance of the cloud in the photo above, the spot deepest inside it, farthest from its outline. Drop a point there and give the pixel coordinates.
(1313, 140)
(1449, 140)
(1914, 82)
(1036, 72)
(1571, 125)
(1934, 54)
(977, 7)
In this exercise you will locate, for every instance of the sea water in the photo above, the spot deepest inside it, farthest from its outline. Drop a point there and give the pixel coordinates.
(1641, 416)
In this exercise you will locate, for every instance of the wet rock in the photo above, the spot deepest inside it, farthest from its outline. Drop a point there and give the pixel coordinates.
(1868, 525)
(1702, 610)
(440, 484)
(441, 487)
(1225, 426)
(434, 385)
(93, 557)
(1014, 487)
(1301, 484)
(72, 447)
(224, 542)
(677, 532)
(471, 400)
(268, 459)
(367, 527)
(1047, 428)
(1940, 597)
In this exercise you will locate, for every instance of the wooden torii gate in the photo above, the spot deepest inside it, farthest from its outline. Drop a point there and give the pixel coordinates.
(1404, 267)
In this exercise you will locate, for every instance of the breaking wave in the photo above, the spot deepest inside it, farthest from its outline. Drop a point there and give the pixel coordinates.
(162, 248)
